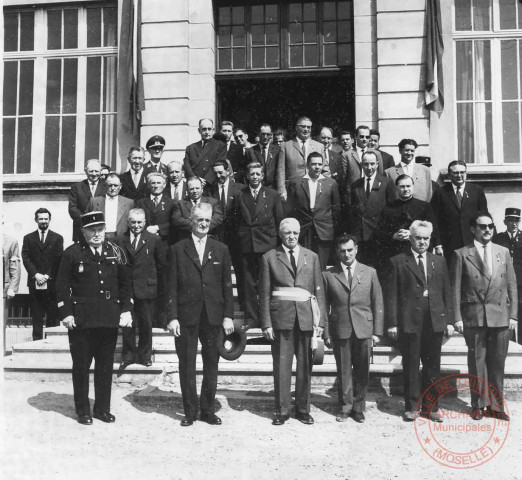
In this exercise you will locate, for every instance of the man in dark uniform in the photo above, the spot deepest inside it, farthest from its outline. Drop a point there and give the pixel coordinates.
(512, 240)
(155, 146)
(93, 291)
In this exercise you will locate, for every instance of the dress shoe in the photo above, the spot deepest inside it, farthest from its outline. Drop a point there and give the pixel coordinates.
(435, 417)
(305, 418)
(211, 419)
(85, 419)
(410, 416)
(125, 364)
(147, 363)
(187, 421)
(358, 417)
(280, 419)
(106, 417)
(476, 413)
(494, 414)
(342, 416)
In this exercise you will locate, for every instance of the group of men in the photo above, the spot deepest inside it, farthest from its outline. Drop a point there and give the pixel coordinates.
(180, 227)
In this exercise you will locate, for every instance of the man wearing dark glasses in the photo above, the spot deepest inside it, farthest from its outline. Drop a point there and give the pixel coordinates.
(485, 304)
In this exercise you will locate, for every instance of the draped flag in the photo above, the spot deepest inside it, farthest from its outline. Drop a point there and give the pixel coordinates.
(131, 99)
(434, 90)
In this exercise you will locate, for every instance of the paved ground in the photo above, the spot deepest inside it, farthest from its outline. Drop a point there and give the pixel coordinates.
(42, 440)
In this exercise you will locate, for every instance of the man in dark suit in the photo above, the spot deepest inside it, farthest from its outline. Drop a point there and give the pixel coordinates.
(291, 162)
(41, 253)
(355, 320)
(93, 289)
(258, 211)
(368, 197)
(146, 254)
(393, 232)
(181, 219)
(177, 184)
(288, 273)
(134, 181)
(158, 207)
(82, 192)
(512, 240)
(115, 207)
(200, 156)
(333, 162)
(485, 301)
(200, 304)
(419, 310)
(314, 202)
(454, 205)
(374, 142)
(235, 154)
(265, 153)
(155, 146)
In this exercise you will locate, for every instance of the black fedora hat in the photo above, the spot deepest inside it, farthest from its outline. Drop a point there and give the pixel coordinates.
(231, 347)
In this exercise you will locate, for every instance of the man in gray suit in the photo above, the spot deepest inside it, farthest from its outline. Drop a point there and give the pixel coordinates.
(115, 207)
(485, 302)
(355, 319)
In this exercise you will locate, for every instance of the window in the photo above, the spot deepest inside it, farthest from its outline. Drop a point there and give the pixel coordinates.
(284, 36)
(59, 102)
(488, 56)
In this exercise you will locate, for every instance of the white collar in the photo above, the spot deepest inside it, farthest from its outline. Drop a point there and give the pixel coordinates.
(351, 267)
(295, 250)
(416, 255)
(461, 187)
(321, 177)
(480, 247)
(197, 240)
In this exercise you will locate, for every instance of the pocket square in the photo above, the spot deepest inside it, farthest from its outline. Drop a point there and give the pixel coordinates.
(215, 263)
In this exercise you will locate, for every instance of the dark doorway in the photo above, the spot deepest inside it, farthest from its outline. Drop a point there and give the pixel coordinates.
(279, 100)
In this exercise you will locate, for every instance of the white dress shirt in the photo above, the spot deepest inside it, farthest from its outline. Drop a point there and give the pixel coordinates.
(312, 185)
(372, 179)
(424, 260)
(111, 213)
(480, 247)
(136, 177)
(351, 268)
(200, 244)
(407, 168)
(225, 191)
(296, 253)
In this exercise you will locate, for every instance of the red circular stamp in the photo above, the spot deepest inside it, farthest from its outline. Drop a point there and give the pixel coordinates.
(459, 441)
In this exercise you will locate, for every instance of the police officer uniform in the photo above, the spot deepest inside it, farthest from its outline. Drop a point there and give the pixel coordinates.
(155, 141)
(95, 289)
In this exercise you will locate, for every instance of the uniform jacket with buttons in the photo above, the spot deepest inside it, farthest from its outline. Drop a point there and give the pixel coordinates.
(355, 309)
(404, 287)
(479, 299)
(95, 293)
(515, 249)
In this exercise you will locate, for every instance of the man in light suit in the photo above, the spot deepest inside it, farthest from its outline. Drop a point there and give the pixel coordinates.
(41, 253)
(265, 153)
(82, 192)
(287, 322)
(116, 208)
(134, 181)
(291, 162)
(419, 310)
(420, 174)
(454, 205)
(485, 302)
(177, 185)
(355, 319)
(314, 202)
(200, 304)
(12, 273)
(201, 155)
(368, 197)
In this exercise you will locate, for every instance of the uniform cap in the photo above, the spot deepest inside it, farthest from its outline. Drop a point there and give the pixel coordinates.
(92, 218)
(513, 212)
(155, 141)
(426, 161)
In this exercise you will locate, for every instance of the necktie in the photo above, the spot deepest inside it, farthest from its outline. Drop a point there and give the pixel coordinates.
(223, 201)
(292, 261)
(349, 277)
(156, 201)
(135, 179)
(304, 149)
(486, 261)
(459, 197)
(255, 195)
(175, 196)
(368, 190)
(93, 188)
(325, 155)
(96, 255)
(134, 242)
(421, 266)
(42, 239)
(264, 154)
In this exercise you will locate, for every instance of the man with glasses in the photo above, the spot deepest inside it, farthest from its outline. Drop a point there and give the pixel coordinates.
(265, 153)
(114, 207)
(485, 303)
(155, 147)
(454, 205)
(291, 162)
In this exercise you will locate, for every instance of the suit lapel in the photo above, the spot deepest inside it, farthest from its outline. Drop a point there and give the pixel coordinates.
(474, 258)
(192, 253)
(297, 146)
(411, 263)
(338, 273)
(302, 260)
(249, 200)
(282, 257)
(207, 255)
(357, 276)
(260, 202)
(306, 188)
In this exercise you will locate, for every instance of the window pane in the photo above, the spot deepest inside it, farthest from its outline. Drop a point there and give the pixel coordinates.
(224, 37)
(482, 70)
(272, 57)
(311, 56)
(329, 11)
(25, 101)
(509, 69)
(257, 14)
(11, 32)
(27, 29)
(272, 34)
(238, 15)
(481, 15)
(330, 55)
(54, 85)
(310, 33)
(258, 34)
(345, 32)
(10, 87)
(108, 142)
(70, 79)
(238, 59)
(23, 156)
(224, 15)
(52, 152)
(8, 145)
(110, 27)
(238, 36)
(54, 29)
(296, 56)
(70, 25)
(330, 32)
(295, 12)
(271, 14)
(94, 27)
(466, 132)
(345, 56)
(92, 136)
(296, 33)
(344, 10)
(258, 57)
(93, 84)
(68, 144)
(508, 14)
(224, 59)
(464, 56)
(463, 15)
(486, 145)
(110, 68)
(310, 13)
(511, 127)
